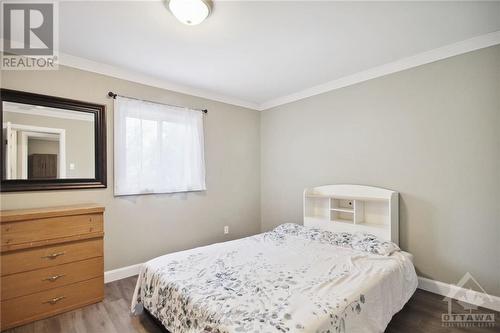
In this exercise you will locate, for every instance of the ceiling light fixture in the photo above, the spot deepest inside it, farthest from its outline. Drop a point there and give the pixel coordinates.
(190, 12)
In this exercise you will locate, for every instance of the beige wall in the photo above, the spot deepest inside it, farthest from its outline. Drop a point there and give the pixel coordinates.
(431, 133)
(142, 227)
(37, 146)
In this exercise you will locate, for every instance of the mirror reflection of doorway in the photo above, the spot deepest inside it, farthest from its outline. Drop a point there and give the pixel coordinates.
(34, 152)
(43, 153)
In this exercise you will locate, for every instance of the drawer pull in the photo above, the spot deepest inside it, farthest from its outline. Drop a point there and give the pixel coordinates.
(53, 278)
(53, 255)
(54, 300)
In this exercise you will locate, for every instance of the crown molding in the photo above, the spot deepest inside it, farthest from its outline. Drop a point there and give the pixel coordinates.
(423, 58)
(47, 112)
(130, 75)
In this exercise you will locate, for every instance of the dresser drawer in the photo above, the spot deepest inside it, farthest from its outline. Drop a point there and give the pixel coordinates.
(26, 283)
(49, 256)
(24, 309)
(37, 230)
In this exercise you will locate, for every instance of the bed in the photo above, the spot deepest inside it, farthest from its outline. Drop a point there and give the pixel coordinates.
(291, 279)
(341, 270)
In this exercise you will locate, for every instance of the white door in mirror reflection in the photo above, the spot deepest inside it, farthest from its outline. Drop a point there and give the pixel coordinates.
(34, 152)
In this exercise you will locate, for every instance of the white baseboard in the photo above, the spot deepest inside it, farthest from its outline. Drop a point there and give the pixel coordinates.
(450, 290)
(121, 273)
(433, 286)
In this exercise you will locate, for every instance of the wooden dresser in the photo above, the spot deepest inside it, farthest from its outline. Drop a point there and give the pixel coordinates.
(51, 261)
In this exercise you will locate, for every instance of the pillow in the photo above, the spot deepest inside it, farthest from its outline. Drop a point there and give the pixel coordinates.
(357, 241)
(288, 228)
(371, 243)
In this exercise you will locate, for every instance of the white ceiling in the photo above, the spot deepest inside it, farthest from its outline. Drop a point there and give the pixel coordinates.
(257, 51)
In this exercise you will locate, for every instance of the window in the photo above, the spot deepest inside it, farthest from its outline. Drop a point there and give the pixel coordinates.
(158, 148)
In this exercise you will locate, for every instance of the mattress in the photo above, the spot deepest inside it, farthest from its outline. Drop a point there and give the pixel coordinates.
(291, 279)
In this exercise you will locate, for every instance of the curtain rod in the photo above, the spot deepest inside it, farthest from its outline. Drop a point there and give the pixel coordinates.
(113, 95)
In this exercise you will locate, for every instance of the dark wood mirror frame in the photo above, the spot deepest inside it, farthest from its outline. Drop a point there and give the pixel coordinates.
(13, 185)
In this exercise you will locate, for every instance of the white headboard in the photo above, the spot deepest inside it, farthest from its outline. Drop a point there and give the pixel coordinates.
(353, 208)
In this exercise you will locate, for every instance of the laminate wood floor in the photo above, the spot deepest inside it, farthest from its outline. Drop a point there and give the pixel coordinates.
(422, 314)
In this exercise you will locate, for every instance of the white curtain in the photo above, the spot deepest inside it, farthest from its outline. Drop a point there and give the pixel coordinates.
(158, 148)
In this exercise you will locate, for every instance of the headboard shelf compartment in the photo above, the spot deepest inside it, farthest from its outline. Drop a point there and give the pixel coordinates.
(353, 208)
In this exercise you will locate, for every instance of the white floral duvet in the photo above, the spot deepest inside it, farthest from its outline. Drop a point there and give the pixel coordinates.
(291, 279)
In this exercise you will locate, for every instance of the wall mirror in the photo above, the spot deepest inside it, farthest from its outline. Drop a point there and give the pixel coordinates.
(51, 143)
